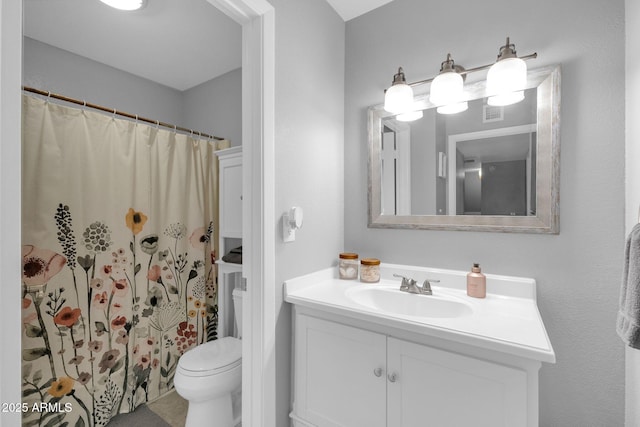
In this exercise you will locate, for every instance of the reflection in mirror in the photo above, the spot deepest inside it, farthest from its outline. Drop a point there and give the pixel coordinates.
(478, 169)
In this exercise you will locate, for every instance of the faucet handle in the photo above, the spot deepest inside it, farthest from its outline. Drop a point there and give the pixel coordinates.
(406, 282)
(426, 286)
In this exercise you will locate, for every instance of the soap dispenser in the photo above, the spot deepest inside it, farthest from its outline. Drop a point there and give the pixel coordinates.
(476, 283)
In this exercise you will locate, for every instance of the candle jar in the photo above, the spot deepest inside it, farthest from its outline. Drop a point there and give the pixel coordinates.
(348, 266)
(369, 270)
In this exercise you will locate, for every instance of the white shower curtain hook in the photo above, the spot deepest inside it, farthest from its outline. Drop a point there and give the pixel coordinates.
(157, 124)
(84, 103)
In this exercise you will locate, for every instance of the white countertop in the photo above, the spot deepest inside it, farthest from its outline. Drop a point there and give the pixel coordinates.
(507, 320)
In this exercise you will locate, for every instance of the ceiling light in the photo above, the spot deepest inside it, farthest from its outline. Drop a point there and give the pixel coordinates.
(399, 97)
(506, 76)
(125, 4)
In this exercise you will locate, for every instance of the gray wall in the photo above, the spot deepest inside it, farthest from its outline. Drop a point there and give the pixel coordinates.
(213, 107)
(632, 27)
(578, 271)
(309, 138)
(48, 68)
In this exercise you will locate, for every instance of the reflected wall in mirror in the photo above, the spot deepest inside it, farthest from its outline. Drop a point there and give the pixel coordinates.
(486, 169)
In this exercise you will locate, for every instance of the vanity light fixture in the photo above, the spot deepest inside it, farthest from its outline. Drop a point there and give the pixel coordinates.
(125, 4)
(506, 81)
(447, 88)
(506, 78)
(399, 97)
(410, 116)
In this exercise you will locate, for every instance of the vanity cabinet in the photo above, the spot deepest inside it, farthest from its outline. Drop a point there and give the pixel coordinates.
(346, 376)
(429, 386)
(339, 375)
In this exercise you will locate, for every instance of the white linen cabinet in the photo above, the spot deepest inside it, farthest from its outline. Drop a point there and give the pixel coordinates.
(230, 230)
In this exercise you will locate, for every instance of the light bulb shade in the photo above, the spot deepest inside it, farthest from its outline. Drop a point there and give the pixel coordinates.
(505, 76)
(398, 98)
(446, 88)
(453, 108)
(409, 116)
(506, 99)
(125, 4)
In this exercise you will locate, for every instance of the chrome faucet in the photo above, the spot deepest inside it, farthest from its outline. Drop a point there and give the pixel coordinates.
(409, 285)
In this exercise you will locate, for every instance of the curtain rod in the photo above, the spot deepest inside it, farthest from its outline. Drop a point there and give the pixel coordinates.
(120, 113)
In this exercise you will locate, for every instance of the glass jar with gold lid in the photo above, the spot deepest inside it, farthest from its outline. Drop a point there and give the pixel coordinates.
(348, 265)
(370, 270)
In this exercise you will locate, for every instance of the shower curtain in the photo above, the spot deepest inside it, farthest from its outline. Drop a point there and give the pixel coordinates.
(119, 235)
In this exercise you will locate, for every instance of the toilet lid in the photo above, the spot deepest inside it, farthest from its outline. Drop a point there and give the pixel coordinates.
(210, 357)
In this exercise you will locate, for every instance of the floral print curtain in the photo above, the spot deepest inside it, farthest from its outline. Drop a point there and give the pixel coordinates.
(119, 232)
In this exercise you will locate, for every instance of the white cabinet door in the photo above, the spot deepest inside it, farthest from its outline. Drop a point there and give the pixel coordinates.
(231, 197)
(437, 388)
(340, 376)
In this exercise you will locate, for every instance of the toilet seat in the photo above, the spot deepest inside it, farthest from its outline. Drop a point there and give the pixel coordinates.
(211, 358)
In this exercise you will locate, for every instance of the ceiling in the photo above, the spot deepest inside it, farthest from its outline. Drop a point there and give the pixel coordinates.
(177, 43)
(349, 9)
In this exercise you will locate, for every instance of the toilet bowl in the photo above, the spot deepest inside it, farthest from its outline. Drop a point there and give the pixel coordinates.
(206, 376)
(209, 375)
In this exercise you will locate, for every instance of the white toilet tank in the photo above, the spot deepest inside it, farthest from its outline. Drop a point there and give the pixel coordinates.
(237, 309)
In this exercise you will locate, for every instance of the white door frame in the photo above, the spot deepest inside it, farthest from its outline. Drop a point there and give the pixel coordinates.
(10, 199)
(257, 18)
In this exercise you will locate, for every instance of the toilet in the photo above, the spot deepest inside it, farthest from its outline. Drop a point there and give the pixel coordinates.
(209, 376)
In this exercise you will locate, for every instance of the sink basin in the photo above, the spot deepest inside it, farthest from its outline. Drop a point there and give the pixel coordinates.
(394, 301)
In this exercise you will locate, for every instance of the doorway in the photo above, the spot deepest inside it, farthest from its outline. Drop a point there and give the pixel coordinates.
(257, 20)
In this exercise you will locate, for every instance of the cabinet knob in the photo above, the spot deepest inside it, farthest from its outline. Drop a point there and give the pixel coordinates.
(392, 377)
(377, 372)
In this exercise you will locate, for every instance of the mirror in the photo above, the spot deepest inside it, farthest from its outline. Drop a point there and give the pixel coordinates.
(484, 169)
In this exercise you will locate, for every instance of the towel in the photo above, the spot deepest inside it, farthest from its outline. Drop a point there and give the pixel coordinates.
(628, 322)
(234, 256)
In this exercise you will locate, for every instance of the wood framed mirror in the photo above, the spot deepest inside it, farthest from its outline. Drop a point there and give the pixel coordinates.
(484, 169)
